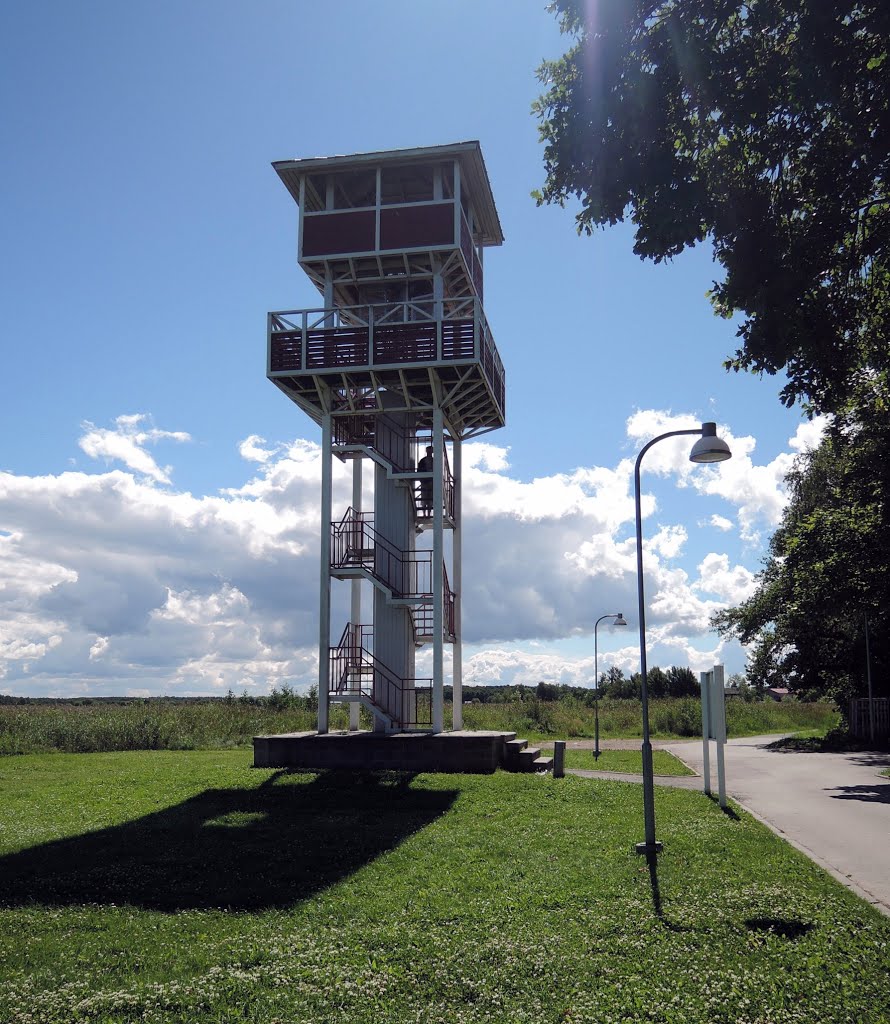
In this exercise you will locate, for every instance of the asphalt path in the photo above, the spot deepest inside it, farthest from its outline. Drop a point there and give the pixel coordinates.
(833, 807)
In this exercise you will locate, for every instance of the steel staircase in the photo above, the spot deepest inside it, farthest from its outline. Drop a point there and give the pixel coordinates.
(406, 577)
(380, 439)
(357, 675)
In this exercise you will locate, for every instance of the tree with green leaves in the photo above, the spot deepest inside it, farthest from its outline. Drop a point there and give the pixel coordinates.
(760, 127)
(828, 568)
(681, 682)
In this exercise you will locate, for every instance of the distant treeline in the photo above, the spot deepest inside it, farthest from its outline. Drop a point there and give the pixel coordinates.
(6, 698)
(277, 699)
(672, 682)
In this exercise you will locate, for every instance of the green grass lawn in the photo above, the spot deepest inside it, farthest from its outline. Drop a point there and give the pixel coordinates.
(630, 761)
(173, 887)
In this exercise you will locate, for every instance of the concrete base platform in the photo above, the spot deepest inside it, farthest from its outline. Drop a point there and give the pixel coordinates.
(477, 752)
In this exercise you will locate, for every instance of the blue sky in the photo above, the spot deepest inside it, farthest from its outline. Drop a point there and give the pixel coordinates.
(145, 238)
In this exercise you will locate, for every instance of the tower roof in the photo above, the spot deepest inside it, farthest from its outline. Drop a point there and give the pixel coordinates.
(472, 166)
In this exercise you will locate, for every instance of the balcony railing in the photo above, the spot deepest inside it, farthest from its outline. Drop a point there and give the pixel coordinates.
(393, 334)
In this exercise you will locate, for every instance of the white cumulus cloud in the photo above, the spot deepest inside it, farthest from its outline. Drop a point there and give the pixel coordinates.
(126, 443)
(115, 580)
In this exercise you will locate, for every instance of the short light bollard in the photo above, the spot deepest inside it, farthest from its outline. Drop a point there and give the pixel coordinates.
(559, 759)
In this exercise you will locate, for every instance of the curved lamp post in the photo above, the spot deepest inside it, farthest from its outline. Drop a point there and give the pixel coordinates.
(708, 448)
(619, 621)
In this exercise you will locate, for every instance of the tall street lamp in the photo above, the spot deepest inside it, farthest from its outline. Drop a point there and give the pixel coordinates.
(619, 621)
(708, 448)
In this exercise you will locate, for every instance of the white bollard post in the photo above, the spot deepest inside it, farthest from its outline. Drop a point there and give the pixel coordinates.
(718, 713)
(704, 679)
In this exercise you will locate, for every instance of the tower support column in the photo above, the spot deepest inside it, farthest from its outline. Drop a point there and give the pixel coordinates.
(457, 707)
(324, 597)
(355, 611)
(438, 580)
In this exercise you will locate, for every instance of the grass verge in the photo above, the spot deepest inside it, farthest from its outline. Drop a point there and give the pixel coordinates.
(187, 887)
(630, 761)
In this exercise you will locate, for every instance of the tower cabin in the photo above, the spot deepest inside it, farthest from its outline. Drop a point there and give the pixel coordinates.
(398, 366)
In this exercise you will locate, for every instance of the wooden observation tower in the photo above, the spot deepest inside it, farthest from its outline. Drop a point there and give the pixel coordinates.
(399, 367)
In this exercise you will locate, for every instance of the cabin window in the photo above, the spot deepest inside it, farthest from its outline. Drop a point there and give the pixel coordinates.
(412, 183)
(355, 189)
(316, 186)
(448, 181)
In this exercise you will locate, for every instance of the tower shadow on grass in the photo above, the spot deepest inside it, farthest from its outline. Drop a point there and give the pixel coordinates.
(234, 849)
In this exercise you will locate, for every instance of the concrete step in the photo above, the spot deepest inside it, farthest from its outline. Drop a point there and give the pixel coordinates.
(520, 757)
(511, 754)
(527, 758)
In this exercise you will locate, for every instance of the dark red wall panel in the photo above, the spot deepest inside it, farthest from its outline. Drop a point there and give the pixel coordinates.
(412, 227)
(329, 233)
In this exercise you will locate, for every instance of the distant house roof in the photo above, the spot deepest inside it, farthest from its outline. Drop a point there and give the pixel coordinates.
(778, 692)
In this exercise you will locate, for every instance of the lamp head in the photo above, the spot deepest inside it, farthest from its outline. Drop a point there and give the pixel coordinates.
(709, 447)
(619, 620)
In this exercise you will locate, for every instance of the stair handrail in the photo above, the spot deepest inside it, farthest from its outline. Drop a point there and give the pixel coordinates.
(421, 615)
(405, 573)
(347, 656)
(447, 604)
(367, 436)
(359, 659)
(361, 430)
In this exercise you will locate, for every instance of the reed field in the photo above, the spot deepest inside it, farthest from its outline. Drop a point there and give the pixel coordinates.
(669, 718)
(152, 725)
(219, 724)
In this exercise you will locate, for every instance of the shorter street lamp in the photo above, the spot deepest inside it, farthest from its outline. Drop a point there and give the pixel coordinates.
(619, 621)
(708, 448)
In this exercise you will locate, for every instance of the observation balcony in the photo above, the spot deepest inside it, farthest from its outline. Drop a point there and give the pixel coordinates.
(391, 356)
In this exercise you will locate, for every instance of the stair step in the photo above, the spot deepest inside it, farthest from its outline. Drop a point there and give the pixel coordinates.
(542, 764)
(527, 758)
(512, 749)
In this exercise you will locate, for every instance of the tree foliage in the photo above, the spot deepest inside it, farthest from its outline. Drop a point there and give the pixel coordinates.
(761, 126)
(675, 682)
(828, 568)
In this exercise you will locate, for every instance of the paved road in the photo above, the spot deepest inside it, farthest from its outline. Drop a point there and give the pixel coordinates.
(833, 807)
